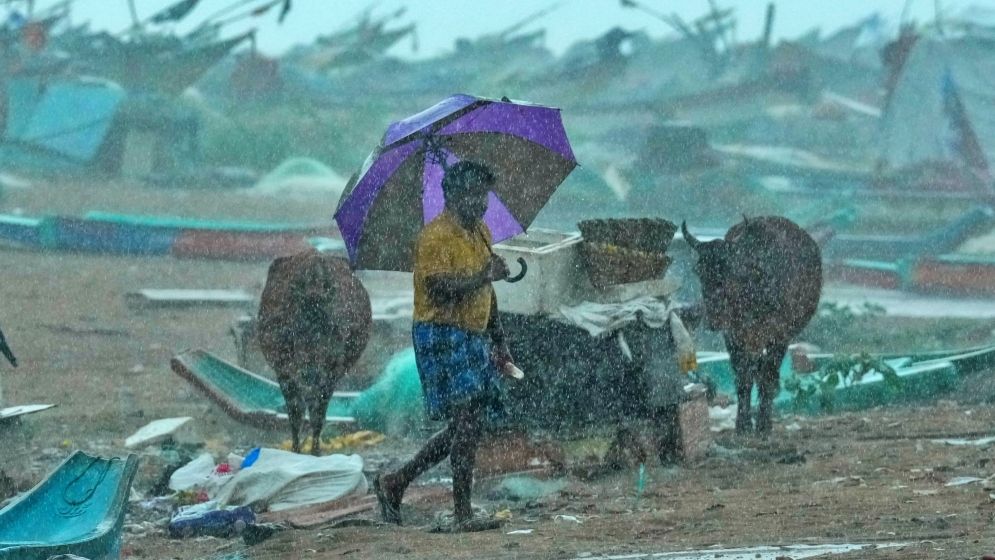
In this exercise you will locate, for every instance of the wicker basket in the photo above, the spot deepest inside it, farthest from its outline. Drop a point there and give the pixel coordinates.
(610, 265)
(644, 234)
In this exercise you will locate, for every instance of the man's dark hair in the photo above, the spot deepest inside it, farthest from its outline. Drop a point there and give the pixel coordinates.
(464, 173)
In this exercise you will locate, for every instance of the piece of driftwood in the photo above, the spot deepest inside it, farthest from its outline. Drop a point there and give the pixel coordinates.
(166, 298)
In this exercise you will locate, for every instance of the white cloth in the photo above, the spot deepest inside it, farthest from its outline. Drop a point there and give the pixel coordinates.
(198, 474)
(601, 318)
(280, 480)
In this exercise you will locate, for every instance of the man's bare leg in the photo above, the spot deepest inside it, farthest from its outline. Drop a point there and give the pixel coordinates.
(390, 487)
(466, 435)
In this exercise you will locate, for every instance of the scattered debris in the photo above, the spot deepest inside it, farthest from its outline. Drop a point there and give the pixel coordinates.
(21, 410)
(68, 329)
(280, 480)
(722, 419)
(362, 438)
(208, 519)
(301, 175)
(179, 430)
(962, 480)
(61, 499)
(980, 442)
(13, 182)
(518, 452)
(245, 396)
(199, 475)
(841, 480)
(525, 488)
(794, 552)
(260, 532)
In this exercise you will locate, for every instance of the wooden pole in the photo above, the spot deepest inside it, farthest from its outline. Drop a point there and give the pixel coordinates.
(134, 15)
(768, 25)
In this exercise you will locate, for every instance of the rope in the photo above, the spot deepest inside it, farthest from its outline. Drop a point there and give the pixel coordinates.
(93, 489)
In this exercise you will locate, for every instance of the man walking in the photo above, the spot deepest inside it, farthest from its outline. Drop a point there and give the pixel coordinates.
(458, 340)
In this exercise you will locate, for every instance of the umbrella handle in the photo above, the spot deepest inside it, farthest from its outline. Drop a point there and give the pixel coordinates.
(521, 274)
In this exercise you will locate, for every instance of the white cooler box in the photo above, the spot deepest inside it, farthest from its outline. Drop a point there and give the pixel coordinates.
(557, 276)
(555, 271)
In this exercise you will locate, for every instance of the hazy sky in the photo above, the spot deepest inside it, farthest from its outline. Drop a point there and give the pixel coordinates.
(440, 22)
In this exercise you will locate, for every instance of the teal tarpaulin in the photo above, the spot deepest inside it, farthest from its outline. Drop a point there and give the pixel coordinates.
(68, 118)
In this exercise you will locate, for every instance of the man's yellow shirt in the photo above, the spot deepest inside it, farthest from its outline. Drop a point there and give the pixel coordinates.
(445, 247)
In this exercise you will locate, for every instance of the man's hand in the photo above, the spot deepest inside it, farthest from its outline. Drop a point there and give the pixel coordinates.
(496, 269)
(500, 355)
(505, 363)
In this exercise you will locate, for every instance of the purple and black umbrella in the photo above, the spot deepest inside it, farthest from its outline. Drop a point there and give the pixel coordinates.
(399, 188)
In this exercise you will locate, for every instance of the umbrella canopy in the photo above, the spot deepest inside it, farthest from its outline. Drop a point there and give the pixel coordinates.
(399, 188)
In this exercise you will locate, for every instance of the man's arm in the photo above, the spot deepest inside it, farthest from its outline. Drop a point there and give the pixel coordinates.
(494, 327)
(496, 331)
(446, 288)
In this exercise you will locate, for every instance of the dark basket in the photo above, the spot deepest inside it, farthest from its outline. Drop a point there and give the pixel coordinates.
(611, 265)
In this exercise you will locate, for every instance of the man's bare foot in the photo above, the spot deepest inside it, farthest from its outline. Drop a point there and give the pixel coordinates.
(389, 498)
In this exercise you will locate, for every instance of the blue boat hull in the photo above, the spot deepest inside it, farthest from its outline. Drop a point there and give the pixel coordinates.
(78, 509)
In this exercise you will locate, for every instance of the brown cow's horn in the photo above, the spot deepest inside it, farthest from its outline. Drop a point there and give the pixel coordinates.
(690, 239)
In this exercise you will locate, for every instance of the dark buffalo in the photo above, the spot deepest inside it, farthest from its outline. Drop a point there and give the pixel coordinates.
(761, 286)
(314, 322)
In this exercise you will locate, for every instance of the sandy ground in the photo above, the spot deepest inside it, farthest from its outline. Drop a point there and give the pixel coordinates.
(874, 478)
(871, 477)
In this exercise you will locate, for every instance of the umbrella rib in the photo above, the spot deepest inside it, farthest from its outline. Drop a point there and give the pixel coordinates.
(413, 135)
(510, 135)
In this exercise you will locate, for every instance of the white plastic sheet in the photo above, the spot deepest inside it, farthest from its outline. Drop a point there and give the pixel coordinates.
(281, 480)
(199, 474)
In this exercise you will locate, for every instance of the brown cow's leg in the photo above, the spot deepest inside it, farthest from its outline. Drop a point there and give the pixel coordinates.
(743, 370)
(294, 398)
(769, 379)
(744, 409)
(317, 411)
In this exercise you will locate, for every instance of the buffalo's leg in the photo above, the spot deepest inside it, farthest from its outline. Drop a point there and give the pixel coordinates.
(743, 371)
(769, 380)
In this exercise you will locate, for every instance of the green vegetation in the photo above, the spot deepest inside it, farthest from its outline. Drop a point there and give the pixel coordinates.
(842, 371)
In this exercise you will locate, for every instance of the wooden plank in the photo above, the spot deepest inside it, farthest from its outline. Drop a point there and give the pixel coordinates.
(322, 514)
(696, 435)
(160, 298)
(238, 246)
(16, 411)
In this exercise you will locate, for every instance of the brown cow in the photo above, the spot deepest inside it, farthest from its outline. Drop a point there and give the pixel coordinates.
(761, 286)
(314, 322)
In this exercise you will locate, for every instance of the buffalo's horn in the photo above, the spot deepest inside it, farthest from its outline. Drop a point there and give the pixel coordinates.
(746, 220)
(690, 239)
